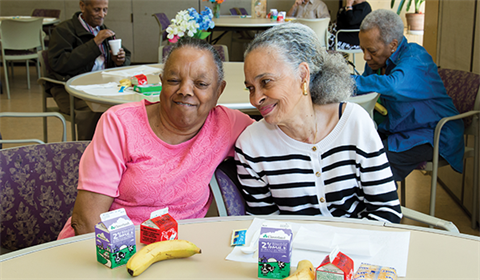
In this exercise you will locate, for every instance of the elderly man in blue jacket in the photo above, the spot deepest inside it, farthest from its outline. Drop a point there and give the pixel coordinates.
(412, 92)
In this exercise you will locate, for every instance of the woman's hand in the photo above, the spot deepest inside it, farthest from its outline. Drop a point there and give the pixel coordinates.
(87, 210)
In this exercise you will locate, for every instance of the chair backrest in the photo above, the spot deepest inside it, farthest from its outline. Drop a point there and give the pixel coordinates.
(320, 26)
(45, 68)
(46, 13)
(243, 11)
(163, 23)
(38, 187)
(367, 101)
(165, 50)
(464, 89)
(21, 34)
(224, 187)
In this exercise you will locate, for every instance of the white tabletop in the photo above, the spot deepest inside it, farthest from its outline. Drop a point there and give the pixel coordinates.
(46, 20)
(235, 95)
(433, 254)
(243, 22)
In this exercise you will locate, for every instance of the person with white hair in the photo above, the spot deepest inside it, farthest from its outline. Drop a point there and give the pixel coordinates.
(412, 92)
(313, 153)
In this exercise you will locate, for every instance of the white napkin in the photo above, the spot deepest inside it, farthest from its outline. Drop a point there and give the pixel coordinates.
(385, 248)
(326, 241)
(125, 73)
(103, 89)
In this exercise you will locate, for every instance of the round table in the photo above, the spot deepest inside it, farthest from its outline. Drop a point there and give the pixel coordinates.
(433, 254)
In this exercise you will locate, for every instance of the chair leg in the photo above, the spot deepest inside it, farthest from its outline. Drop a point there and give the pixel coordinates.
(476, 180)
(38, 69)
(72, 117)
(5, 70)
(433, 191)
(27, 64)
(403, 191)
(11, 68)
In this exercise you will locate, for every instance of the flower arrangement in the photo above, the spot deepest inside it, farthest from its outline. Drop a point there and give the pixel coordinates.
(216, 7)
(190, 23)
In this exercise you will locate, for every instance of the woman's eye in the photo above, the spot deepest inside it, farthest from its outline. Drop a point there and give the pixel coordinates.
(173, 81)
(266, 81)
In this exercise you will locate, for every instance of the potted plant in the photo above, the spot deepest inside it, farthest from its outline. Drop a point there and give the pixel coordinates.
(415, 20)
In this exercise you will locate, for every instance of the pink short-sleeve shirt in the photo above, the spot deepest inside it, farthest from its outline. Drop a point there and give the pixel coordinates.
(127, 161)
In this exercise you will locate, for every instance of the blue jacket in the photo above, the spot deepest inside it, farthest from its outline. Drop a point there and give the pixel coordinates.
(415, 97)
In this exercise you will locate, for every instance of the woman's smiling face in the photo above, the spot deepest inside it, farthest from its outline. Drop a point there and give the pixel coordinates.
(275, 90)
(190, 87)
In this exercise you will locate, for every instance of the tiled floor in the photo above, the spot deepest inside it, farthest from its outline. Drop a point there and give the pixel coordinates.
(24, 100)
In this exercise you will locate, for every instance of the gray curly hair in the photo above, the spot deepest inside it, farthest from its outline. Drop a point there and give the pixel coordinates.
(200, 45)
(388, 23)
(330, 81)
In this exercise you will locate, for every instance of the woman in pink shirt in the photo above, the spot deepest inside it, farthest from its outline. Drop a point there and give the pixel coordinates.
(146, 156)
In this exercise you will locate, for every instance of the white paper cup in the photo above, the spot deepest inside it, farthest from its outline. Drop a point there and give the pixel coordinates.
(115, 45)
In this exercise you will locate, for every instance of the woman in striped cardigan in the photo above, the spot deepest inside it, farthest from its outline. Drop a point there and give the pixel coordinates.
(312, 153)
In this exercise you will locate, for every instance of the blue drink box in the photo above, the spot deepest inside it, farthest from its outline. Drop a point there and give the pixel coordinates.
(115, 238)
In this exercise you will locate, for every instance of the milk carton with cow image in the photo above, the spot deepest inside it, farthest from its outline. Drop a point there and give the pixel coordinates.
(274, 250)
(160, 227)
(115, 238)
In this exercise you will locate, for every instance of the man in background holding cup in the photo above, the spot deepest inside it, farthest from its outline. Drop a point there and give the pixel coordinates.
(77, 46)
(309, 9)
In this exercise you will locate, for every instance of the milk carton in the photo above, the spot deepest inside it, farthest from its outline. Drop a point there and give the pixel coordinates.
(335, 266)
(160, 227)
(115, 238)
(274, 250)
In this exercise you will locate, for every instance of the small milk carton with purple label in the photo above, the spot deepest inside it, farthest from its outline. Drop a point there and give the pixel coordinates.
(115, 238)
(274, 250)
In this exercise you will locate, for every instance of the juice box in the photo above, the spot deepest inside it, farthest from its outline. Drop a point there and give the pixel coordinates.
(115, 238)
(160, 227)
(335, 266)
(148, 89)
(274, 250)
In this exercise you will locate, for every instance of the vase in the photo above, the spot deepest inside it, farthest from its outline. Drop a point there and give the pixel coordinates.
(415, 21)
(216, 10)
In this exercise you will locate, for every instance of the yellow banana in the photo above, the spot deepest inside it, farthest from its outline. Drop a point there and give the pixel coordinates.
(125, 83)
(305, 271)
(159, 251)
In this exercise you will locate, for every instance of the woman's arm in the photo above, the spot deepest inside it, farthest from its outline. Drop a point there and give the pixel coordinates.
(87, 210)
(379, 188)
(255, 191)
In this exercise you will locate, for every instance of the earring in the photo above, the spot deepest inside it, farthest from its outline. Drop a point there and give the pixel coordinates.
(393, 50)
(305, 92)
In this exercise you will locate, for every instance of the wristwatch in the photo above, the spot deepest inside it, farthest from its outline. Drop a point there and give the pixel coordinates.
(347, 8)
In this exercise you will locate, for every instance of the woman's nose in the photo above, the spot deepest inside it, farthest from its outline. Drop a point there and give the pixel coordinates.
(185, 89)
(257, 98)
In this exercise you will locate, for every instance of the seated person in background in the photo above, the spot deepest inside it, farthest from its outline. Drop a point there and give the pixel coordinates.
(147, 156)
(349, 17)
(412, 92)
(313, 153)
(80, 45)
(309, 9)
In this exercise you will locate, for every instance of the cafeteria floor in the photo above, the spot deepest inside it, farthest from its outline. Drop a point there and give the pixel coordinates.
(29, 100)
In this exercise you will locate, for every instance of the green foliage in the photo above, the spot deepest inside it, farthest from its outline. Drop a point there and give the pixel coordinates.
(418, 3)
